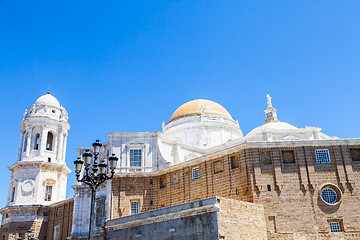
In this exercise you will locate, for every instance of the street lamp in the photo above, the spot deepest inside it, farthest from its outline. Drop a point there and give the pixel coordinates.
(94, 177)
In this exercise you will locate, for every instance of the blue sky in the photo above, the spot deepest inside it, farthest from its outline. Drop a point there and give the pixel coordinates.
(125, 66)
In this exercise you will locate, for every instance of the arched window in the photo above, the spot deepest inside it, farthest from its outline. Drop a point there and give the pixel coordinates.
(49, 141)
(37, 141)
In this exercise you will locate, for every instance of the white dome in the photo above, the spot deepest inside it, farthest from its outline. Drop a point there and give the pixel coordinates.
(48, 100)
(271, 126)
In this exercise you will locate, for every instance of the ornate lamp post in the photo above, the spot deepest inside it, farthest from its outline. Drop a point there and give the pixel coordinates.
(95, 176)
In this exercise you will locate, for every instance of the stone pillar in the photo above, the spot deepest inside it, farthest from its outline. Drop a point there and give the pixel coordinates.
(20, 144)
(55, 142)
(64, 148)
(43, 140)
(61, 141)
(28, 145)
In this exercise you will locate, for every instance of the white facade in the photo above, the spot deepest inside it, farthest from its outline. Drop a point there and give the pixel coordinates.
(39, 175)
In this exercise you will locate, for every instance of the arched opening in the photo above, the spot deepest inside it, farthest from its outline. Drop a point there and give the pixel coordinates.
(37, 141)
(49, 141)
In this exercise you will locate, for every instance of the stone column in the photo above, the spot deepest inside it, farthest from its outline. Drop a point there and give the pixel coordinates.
(43, 140)
(55, 142)
(61, 141)
(64, 148)
(20, 144)
(28, 145)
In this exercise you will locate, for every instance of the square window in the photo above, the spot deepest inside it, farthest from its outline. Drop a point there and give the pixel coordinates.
(195, 174)
(135, 157)
(134, 207)
(234, 161)
(335, 227)
(288, 156)
(322, 156)
(265, 157)
(355, 154)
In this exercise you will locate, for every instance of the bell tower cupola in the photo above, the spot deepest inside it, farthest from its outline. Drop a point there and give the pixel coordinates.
(39, 175)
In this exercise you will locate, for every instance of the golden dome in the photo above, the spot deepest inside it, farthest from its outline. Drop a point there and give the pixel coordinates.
(198, 106)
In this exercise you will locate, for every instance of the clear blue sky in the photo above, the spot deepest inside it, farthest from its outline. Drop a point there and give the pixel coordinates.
(125, 66)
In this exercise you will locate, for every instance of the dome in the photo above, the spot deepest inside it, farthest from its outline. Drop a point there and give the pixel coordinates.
(48, 100)
(200, 106)
(271, 126)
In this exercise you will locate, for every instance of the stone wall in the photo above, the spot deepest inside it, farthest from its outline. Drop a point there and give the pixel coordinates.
(290, 192)
(211, 218)
(60, 220)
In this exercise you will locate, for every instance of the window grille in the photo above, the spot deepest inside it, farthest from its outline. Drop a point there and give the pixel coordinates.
(134, 207)
(329, 195)
(265, 157)
(322, 156)
(288, 156)
(135, 157)
(195, 173)
(335, 227)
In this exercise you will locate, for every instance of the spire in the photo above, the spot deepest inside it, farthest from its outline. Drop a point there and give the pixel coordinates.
(270, 112)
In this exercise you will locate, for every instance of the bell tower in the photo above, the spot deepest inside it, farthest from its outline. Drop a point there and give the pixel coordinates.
(39, 176)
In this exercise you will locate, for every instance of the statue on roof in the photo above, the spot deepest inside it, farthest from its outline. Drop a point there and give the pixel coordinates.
(269, 100)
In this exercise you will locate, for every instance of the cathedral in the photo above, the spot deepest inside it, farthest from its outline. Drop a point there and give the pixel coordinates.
(200, 177)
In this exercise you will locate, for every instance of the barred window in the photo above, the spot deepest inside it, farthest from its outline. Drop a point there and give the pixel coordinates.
(195, 174)
(335, 227)
(288, 156)
(322, 156)
(134, 207)
(329, 195)
(355, 154)
(135, 157)
(265, 157)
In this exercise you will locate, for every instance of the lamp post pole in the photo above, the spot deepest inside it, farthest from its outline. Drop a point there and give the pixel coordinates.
(95, 176)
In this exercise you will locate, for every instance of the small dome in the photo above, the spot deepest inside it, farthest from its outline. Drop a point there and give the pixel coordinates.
(273, 126)
(200, 106)
(48, 100)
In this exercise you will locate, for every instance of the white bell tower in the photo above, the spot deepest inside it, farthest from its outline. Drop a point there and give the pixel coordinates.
(39, 176)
